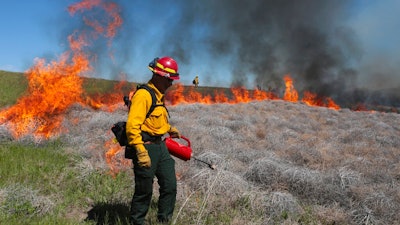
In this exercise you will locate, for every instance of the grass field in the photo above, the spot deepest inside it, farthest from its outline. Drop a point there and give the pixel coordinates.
(12, 86)
(277, 163)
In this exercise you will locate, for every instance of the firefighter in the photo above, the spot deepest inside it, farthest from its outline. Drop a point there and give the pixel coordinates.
(196, 81)
(144, 134)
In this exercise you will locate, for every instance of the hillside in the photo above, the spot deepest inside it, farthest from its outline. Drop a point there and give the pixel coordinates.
(277, 162)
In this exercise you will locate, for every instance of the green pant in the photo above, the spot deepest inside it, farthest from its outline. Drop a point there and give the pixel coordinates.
(163, 167)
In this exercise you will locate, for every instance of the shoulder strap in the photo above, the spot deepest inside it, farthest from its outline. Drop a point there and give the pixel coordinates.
(153, 99)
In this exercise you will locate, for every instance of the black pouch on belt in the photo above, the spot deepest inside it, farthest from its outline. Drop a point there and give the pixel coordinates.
(130, 152)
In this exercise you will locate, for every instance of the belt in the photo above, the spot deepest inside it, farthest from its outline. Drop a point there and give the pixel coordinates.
(150, 139)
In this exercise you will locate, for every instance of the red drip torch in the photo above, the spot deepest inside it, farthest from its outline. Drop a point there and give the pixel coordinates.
(183, 152)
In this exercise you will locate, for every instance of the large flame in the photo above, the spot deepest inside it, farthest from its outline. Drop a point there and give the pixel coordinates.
(55, 86)
(52, 88)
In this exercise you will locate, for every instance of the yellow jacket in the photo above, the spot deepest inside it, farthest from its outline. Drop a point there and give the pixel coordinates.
(156, 124)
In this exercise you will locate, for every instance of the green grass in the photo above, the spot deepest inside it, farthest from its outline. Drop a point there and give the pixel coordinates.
(29, 164)
(44, 185)
(12, 86)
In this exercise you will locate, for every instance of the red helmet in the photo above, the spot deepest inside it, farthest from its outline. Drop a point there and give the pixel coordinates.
(165, 66)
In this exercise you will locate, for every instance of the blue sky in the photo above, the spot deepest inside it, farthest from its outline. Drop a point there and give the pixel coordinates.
(39, 28)
(24, 34)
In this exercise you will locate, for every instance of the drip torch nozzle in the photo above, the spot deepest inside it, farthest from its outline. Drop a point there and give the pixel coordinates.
(212, 166)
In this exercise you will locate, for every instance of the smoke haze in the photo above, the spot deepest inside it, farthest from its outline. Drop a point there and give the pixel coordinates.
(257, 42)
(269, 39)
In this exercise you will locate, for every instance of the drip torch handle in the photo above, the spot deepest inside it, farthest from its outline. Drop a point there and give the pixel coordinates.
(186, 139)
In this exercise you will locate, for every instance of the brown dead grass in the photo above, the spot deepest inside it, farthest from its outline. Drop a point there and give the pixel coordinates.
(273, 158)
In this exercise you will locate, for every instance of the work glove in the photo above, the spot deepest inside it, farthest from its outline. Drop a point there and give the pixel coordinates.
(174, 133)
(143, 156)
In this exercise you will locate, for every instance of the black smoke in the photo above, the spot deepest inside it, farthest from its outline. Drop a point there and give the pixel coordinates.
(259, 41)
(310, 40)
(267, 39)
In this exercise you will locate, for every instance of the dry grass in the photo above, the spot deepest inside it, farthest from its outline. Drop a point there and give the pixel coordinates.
(277, 162)
(20, 200)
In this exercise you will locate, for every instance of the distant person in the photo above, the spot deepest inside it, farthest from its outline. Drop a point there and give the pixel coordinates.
(196, 81)
(150, 155)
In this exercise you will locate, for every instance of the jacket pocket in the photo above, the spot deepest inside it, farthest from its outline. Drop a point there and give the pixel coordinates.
(157, 120)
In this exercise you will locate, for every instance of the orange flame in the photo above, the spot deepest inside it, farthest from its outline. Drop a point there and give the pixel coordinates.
(113, 161)
(291, 94)
(240, 95)
(181, 95)
(331, 104)
(176, 96)
(109, 101)
(312, 99)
